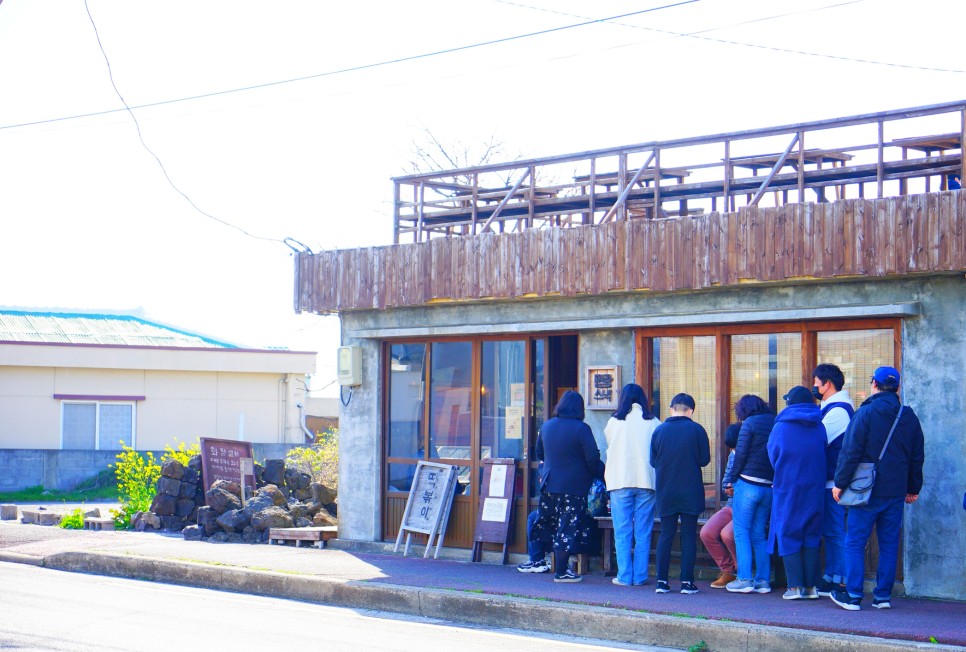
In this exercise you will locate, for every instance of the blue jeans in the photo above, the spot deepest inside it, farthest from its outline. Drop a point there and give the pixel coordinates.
(751, 510)
(886, 515)
(535, 548)
(833, 532)
(632, 510)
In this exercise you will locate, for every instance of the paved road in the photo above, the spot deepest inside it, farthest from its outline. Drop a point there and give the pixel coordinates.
(52, 610)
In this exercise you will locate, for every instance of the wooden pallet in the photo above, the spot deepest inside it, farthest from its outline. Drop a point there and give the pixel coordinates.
(317, 535)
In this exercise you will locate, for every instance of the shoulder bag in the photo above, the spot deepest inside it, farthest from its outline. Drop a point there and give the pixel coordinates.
(860, 487)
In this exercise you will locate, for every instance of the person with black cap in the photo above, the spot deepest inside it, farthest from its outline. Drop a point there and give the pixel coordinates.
(679, 449)
(887, 433)
(796, 449)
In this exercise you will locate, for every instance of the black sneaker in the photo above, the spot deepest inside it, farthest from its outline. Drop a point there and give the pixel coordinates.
(688, 587)
(846, 601)
(568, 576)
(662, 587)
(540, 566)
(825, 588)
(882, 603)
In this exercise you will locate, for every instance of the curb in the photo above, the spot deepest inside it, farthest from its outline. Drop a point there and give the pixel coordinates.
(480, 609)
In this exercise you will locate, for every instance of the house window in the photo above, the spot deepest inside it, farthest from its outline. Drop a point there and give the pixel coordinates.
(96, 425)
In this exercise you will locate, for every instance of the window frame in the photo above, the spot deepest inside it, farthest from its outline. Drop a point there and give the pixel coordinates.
(97, 421)
(809, 329)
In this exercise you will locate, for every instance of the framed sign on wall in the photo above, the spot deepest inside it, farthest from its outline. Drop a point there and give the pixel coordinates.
(603, 386)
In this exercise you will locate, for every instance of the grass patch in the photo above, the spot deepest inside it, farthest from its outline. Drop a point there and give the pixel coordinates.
(40, 495)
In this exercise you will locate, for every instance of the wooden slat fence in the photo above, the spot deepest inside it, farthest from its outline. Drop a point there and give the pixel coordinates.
(893, 236)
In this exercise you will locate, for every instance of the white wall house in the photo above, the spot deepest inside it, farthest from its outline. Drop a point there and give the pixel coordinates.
(81, 382)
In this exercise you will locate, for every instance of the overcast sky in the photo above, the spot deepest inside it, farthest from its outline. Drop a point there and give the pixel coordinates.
(91, 224)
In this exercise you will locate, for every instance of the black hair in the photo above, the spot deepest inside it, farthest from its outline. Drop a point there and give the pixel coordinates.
(830, 373)
(570, 406)
(683, 400)
(632, 393)
(750, 404)
(887, 387)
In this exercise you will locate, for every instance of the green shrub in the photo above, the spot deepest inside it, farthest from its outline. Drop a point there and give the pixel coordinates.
(182, 453)
(320, 460)
(73, 520)
(136, 474)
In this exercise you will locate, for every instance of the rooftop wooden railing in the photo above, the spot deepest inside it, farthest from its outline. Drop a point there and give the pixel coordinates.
(893, 236)
(901, 151)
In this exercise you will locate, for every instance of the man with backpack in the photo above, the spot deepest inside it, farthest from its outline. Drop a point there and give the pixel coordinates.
(837, 411)
(888, 434)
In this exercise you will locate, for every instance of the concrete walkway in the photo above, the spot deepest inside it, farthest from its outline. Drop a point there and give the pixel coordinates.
(350, 575)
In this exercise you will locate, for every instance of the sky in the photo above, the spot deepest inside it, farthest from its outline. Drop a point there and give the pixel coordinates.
(335, 96)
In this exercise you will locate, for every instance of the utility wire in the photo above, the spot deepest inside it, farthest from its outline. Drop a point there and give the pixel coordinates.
(585, 22)
(697, 35)
(110, 74)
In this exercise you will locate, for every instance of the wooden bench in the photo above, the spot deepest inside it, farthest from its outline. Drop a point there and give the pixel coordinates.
(318, 535)
(98, 523)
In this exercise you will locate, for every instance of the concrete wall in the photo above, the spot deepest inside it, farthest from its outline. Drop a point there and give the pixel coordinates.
(64, 470)
(934, 360)
(605, 347)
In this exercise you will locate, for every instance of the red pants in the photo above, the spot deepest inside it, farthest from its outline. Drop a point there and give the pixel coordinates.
(718, 536)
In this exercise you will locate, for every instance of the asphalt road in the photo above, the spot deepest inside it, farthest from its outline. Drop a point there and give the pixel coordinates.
(49, 610)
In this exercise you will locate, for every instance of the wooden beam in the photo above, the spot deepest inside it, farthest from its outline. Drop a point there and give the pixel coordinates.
(627, 190)
(509, 195)
(778, 166)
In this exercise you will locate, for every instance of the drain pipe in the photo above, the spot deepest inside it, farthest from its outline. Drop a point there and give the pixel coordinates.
(309, 437)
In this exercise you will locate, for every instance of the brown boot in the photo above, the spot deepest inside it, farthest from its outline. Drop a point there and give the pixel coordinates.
(723, 580)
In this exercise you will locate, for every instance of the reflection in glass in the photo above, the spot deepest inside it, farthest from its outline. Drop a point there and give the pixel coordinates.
(401, 477)
(450, 386)
(857, 354)
(406, 400)
(503, 399)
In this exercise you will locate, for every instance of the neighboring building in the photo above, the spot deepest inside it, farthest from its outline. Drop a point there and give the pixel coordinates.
(85, 382)
(714, 280)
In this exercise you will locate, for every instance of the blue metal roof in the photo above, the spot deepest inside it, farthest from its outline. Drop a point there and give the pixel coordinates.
(83, 328)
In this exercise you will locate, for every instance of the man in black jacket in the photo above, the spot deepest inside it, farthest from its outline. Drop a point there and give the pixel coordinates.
(898, 480)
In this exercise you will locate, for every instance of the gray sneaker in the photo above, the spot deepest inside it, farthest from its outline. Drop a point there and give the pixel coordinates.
(740, 586)
(762, 586)
(810, 593)
(793, 593)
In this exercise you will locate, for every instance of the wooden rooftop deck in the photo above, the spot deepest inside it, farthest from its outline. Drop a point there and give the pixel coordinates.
(898, 152)
(892, 236)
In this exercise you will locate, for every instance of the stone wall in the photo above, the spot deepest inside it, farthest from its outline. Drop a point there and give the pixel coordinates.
(65, 469)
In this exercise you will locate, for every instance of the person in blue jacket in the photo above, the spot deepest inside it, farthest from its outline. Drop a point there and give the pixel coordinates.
(898, 481)
(571, 462)
(679, 450)
(796, 449)
(752, 474)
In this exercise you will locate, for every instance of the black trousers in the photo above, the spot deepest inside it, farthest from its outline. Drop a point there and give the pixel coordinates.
(689, 545)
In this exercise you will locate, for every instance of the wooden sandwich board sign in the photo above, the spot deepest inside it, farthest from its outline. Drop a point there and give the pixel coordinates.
(428, 505)
(227, 459)
(496, 506)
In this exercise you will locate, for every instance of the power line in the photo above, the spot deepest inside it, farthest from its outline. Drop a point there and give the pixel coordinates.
(585, 22)
(696, 35)
(164, 171)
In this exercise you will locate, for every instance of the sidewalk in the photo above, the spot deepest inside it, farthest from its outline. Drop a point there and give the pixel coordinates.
(347, 575)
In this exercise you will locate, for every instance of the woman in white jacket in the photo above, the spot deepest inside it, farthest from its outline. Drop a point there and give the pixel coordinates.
(630, 481)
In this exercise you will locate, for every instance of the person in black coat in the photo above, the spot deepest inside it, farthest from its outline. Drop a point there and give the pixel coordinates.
(752, 475)
(571, 462)
(679, 450)
(898, 481)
